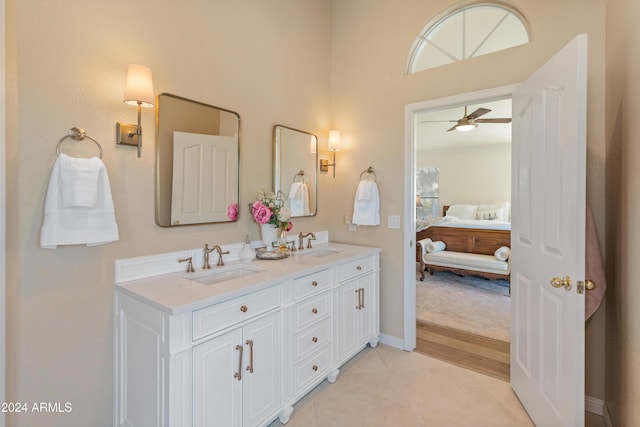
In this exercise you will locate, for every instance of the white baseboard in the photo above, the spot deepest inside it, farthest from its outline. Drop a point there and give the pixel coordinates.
(392, 341)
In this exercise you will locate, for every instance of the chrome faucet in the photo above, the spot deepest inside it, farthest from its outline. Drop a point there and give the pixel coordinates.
(206, 251)
(301, 237)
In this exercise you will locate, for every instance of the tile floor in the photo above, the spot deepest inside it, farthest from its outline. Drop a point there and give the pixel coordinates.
(389, 387)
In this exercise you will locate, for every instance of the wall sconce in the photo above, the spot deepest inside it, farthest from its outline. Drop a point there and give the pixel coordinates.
(138, 91)
(335, 144)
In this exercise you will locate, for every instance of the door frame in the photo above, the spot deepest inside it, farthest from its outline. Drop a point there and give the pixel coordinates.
(410, 111)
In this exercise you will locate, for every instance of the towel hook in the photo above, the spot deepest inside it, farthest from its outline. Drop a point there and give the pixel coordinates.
(370, 171)
(77, 134)
(299, 174)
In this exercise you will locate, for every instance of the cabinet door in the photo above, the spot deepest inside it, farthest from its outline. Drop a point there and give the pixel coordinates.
(347, 324)
(261, 375)
(217, 394)
(366, 320)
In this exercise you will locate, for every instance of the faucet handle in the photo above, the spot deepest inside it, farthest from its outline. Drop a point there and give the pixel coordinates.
(190, 265)
(309, 239)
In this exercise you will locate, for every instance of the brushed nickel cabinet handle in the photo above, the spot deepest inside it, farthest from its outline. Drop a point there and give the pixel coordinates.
(314, 283)
(358, 307)
(238, 375)
(314, 339)
(314, 367)
(314, 310)
(244, 308)
(250, 367)
(362, 298)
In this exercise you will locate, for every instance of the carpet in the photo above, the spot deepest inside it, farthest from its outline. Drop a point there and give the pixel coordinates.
(469, 304)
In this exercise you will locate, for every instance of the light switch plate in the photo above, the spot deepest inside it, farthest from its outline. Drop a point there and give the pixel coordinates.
(393, 221)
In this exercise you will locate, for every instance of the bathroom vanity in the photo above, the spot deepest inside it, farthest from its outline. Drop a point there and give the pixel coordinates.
(238, 345)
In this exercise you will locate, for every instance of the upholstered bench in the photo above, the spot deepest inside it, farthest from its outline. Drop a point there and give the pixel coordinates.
(466, 263)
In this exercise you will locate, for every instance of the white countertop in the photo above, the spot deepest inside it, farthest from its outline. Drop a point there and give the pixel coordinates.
(178, 292)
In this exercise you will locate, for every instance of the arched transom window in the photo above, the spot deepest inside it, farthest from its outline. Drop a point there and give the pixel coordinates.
(465, 33)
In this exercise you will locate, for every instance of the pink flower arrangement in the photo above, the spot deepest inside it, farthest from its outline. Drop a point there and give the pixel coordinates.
(232, 212)
(270, 209)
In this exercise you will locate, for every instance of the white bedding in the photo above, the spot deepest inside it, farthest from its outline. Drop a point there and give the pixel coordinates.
(449, 221)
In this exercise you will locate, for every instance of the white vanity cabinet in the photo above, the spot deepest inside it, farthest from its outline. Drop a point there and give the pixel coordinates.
(241, 352)
(236, 376)
(357, 302)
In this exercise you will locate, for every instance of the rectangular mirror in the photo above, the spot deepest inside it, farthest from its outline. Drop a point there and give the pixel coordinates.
(197, 162)
(295, 169)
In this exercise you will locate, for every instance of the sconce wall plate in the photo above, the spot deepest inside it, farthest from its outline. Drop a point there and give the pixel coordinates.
(324, 165)
(126, 134)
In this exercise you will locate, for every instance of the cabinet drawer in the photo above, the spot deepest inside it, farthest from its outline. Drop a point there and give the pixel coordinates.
(214, 318)
(311, 283)
(311, 370)
(308, 312)
(309, 341)
(356, 267)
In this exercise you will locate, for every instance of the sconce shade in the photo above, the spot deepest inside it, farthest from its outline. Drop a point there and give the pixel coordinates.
(335, 142)
(139, 86)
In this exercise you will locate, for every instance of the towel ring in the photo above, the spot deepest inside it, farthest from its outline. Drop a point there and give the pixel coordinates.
(370, 171)
(299, 174)
(77, 134)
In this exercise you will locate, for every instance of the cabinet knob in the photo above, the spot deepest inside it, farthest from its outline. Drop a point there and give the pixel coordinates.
(244, 309)
(314, 283)
(358, 268)
(314, 339)
(315, 367)
(314, 310)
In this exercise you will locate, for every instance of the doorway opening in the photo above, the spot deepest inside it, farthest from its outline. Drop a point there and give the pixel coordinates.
(413, 114)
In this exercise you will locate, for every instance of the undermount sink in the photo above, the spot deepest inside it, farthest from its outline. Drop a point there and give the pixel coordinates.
(217, 275)
(319, 252)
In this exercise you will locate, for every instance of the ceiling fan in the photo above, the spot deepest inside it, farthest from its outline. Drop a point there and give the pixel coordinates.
(470, 121)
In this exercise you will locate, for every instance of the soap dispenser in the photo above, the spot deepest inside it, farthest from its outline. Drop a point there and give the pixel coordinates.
(247, 253)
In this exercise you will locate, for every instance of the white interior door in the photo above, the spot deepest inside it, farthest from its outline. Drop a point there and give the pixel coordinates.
(548, 196)
(205, 176)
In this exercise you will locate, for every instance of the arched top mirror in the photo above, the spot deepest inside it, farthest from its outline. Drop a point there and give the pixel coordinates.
(197, 162)
(295, 169)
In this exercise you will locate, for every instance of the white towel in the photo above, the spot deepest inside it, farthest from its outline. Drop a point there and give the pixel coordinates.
(299, 199)
(79, 181)
(78, 225)
(366, 207)
(502, 253)
(423, 244)
(436, 246)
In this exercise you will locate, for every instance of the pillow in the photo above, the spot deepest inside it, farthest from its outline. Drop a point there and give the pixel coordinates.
(463, 211)
(490, 214)
(493, 207)
(424, 243)
(502, 253)
(436, 246)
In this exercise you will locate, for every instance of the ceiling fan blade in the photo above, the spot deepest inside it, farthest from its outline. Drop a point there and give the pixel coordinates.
(479, 112)
(438, 121)
(452, 128)
(503, 120)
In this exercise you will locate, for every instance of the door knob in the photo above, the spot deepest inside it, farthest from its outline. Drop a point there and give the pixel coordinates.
(589, 284)
(565, 282)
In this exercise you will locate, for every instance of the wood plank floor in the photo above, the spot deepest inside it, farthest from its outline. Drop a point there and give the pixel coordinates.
(485, 355)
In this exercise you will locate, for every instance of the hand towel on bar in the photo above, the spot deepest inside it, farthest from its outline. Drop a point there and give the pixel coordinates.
(79, 181)
(299, 199)
(78, 225)
(366, 207)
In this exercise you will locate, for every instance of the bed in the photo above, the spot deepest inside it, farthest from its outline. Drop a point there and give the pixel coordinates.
(472, 235)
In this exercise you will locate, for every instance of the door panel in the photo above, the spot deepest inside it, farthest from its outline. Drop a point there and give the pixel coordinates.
(548, 196)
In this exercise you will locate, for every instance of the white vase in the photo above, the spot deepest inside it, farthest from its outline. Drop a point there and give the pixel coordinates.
(269, 235)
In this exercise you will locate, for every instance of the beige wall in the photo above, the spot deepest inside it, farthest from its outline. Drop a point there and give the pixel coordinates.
(311, 65)
(371, 41)
(472, 174)
(623, 211)
(66, 66)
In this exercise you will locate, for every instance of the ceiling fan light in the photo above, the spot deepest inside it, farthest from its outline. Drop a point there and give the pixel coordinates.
(466, 127)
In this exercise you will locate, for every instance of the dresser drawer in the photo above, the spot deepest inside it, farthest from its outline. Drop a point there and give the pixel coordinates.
(311, 283)
(209, 320)
(311, 370)
(356, 267)
(308, 312)
(310, 340)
